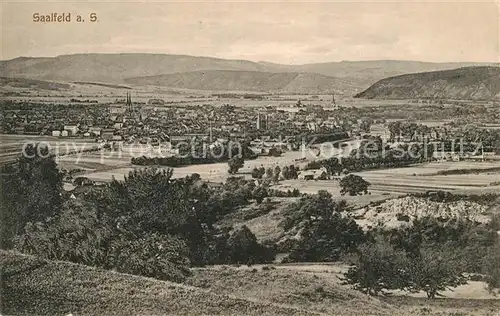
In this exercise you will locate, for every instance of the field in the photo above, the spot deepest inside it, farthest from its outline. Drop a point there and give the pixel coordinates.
(106, 94)
(215, 172)
(103, 166)
(414, 179)
(385, 183)
(34, 286)
(11, 146)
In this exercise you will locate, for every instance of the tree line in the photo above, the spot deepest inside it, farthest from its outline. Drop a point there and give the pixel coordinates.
(198, 153)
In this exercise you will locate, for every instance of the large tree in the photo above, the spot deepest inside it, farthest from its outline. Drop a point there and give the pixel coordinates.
(353, 185)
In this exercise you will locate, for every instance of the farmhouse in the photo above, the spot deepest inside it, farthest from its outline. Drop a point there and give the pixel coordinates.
(446, 156)
(72, 129)
(95, 131)
(315, 174)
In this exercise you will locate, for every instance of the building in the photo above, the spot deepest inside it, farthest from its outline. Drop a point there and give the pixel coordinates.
(179, 139)
(262, 121)
(446, 156)
(71, 129)
(107, 133)
(96, 131)
(316, 174)
(131, 113)
(56, 133)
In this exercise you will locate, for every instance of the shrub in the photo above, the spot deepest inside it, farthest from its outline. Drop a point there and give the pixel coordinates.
(154, 255)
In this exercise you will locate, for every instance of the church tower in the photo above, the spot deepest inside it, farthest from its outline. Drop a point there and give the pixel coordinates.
(129, 103)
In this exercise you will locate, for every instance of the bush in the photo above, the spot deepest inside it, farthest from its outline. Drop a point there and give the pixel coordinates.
(154, 255)
(76, 235)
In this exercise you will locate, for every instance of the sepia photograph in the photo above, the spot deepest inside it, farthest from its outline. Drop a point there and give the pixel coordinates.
(251, 158)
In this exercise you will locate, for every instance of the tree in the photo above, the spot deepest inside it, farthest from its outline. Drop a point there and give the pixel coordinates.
(286, 172)
(293, 172)
(256, 173)
(31, 191)
(260, 193)
(80, 181)
(353, 185)
(76, 234)
(491, 267)
(276, 174)
(244, 248)
(434, 271)
(269, 173)
(327, 239)
(235, 163)
(310, 209)
(379, 267)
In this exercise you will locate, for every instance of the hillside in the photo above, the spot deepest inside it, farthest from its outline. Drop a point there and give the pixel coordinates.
(32, 286)
(31, 84)
(365, 73)
(258, 81)
(471, 83)
(114, 68)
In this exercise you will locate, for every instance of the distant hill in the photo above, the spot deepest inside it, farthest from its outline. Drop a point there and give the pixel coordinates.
(115, 68)
(469, 83)
(256, 81)
(365, 73)
(32, 84)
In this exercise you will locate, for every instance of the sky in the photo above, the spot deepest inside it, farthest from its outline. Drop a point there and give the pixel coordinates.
(281, 32)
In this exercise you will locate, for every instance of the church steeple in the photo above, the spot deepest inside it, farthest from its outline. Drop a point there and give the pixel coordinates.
(129, 102)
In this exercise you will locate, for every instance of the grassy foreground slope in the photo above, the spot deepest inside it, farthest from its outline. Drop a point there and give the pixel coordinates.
(32, 286)
(317, 288)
